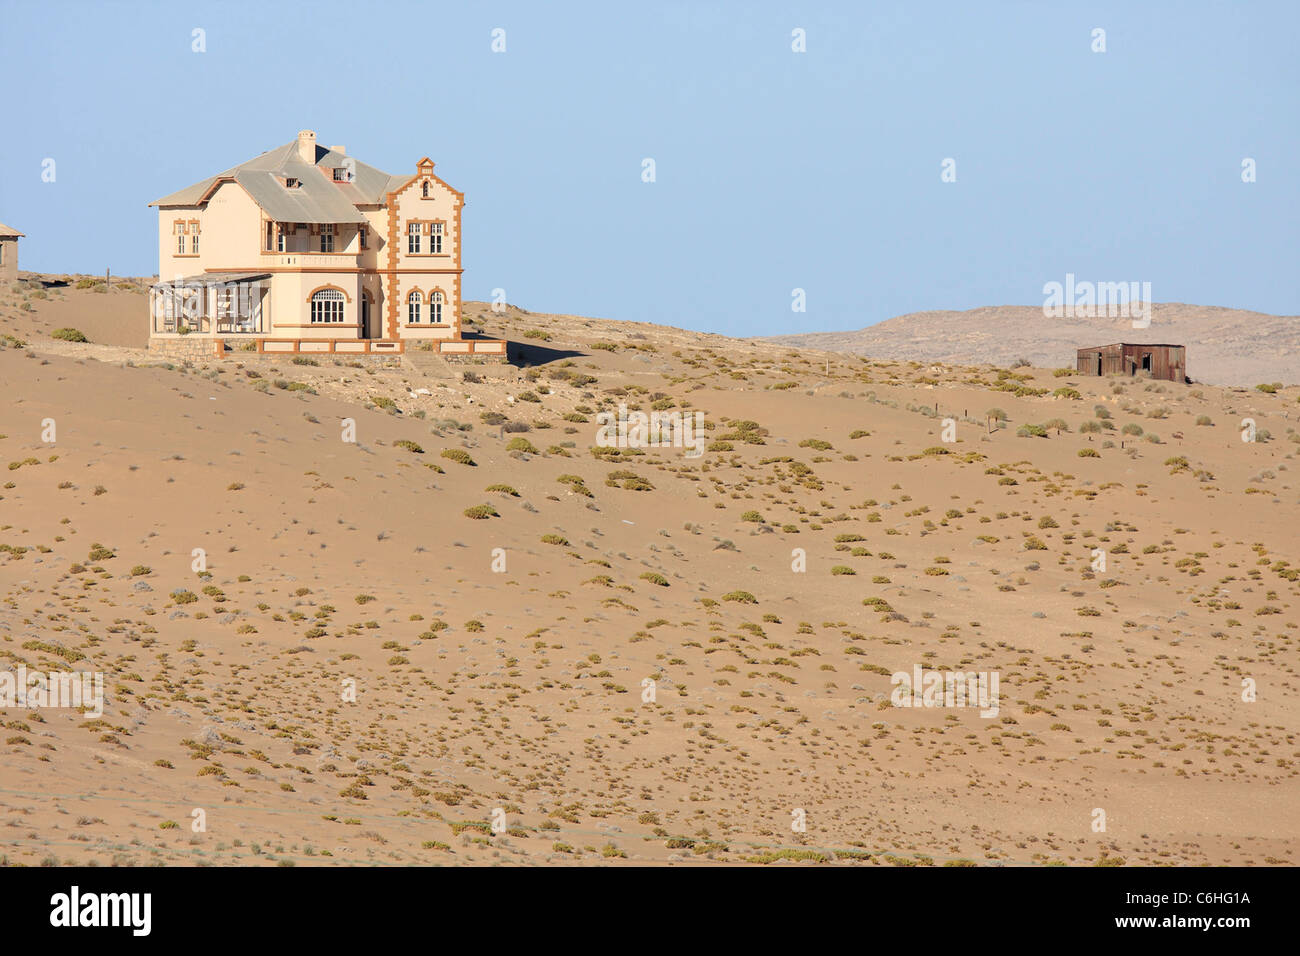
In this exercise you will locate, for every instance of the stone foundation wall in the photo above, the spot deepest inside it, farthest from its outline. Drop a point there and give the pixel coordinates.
(203, 349)
(473, 359)
(184, 348)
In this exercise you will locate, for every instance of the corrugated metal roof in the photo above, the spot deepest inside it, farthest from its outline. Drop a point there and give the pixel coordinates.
(316, 199)
(210, 278)
(7, 233)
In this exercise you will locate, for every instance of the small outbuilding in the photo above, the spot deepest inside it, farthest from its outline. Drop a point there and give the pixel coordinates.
(9, 253)
(1168, 362)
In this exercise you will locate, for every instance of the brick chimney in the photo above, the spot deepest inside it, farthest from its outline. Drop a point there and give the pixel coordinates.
(307, 146)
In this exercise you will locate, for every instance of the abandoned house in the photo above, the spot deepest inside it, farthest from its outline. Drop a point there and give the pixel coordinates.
(9, 252)
(1167, 362)
(306, 249)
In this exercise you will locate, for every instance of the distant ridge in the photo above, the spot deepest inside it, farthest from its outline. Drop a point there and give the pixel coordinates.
(1224, 346)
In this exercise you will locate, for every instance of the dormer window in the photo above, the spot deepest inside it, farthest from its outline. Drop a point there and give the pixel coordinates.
(290, 183)
(340, 174)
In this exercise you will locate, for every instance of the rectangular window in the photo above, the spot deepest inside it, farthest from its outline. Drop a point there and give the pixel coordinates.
(340, 174)
(435, 237)
(362, 233)
(270, 236)
(281, 239)
(413, 238)
(435, 308)
(327, 237)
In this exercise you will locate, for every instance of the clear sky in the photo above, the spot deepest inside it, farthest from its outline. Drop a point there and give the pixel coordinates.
(774, 170)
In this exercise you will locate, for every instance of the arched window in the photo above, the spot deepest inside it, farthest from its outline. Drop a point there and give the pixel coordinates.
(413, 308)
(326, 307)
(425, 189)
(435, 307)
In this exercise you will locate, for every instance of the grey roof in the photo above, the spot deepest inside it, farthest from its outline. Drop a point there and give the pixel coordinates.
(317, 199)
(7, 233)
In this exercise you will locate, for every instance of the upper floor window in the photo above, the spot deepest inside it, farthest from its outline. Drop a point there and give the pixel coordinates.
(327, 237)
(290, 183)
(435, 237)
(326, 306)
(270, 237)
(424, 189)
(413, 308)
(435, 307)
(340, 174)
(182, 228)
(413, 237)
(282, 238)
(361, 231)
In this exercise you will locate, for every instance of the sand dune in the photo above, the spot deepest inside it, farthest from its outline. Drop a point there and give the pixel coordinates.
(479, 689)
(1224, 346)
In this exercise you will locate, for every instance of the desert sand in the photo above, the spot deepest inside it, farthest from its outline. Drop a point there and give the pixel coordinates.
(332, 564)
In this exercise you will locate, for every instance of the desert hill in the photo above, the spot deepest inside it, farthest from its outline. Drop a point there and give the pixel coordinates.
(1224, 346)
(376, 565)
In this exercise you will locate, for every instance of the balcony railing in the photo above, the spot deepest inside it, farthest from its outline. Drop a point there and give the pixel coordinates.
(315, 260)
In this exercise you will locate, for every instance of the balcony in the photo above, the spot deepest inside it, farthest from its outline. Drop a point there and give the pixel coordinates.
(313, 260)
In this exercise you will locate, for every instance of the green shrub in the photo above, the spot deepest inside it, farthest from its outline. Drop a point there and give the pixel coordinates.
(479, 512)
(69, 335)
(458, 455)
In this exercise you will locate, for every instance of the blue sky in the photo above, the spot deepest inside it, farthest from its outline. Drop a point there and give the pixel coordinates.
(775, 170)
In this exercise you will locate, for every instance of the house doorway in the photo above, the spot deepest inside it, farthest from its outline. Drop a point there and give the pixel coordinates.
(1098, 363)
(365, 316)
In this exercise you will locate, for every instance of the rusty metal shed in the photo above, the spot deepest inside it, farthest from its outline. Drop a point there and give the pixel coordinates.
(1163, 361)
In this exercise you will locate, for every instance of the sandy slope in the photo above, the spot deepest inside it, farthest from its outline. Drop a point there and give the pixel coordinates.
(1224, 346)
(521, 690)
